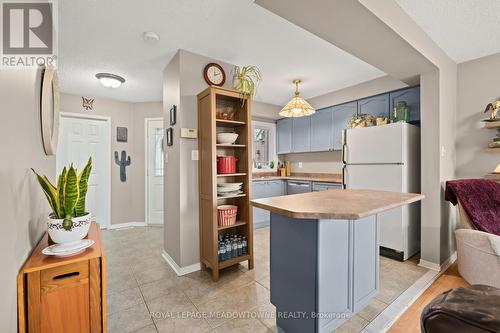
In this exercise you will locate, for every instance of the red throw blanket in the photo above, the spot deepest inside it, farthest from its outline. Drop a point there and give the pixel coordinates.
(480, 199)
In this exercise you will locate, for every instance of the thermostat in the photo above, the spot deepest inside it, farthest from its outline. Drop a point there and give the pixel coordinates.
(189, 133)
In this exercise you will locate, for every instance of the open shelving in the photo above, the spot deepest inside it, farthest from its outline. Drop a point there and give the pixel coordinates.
(492, 124)
(209, 101)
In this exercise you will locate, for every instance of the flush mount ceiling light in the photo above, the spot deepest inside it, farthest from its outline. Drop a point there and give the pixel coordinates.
(110, 80)
(297, 107)
(150, 37)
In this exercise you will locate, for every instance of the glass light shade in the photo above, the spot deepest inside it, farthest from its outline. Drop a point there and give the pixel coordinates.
(297, 107)
(110, 80)
(497, 170)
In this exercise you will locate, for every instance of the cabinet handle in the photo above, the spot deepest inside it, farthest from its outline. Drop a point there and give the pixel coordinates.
(65, 276)
(343, 177)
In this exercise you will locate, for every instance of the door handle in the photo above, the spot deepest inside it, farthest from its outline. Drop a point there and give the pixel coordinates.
(343, 177)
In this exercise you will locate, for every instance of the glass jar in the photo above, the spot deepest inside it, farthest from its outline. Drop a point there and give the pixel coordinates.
(401, 112)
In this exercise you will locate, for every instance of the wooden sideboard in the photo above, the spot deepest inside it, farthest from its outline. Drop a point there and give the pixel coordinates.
(65, 294)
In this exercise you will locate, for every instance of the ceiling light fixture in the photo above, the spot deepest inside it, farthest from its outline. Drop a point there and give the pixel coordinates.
(110, 80)
(297, 107)
(150, 37)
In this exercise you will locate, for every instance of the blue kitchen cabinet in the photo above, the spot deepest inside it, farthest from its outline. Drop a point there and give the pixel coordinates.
(284, 129)
(321, 130)
(317, 186)
(412, 98)
(265, 189)
(301, 135)
(377, 106)
(341, 115)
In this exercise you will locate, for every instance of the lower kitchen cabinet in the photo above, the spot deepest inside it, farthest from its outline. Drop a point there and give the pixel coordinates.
(265, 189)
(317, 186)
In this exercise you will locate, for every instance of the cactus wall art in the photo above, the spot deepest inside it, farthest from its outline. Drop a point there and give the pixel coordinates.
(123, 162)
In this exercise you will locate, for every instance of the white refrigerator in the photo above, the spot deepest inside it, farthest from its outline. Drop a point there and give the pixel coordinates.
(387, 158)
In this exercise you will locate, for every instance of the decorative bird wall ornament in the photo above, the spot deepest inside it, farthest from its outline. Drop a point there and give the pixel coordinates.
(88, 103)
(493, 107)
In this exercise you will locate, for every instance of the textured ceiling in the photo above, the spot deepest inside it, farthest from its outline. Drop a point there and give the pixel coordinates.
(464, 29)
(105, 36)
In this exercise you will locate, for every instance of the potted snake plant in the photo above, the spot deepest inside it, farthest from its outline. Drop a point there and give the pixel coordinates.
(69, 220)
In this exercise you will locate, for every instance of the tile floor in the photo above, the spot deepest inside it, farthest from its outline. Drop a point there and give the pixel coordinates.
(145, 295)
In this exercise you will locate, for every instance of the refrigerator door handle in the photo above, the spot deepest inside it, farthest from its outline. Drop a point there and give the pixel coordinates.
(343, 177)
(344, 146)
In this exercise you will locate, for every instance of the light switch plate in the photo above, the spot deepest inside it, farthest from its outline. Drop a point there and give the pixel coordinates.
(300, 165)
(194, 155)
(189, 133)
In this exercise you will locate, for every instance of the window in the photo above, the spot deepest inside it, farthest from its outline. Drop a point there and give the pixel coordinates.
(264, 152)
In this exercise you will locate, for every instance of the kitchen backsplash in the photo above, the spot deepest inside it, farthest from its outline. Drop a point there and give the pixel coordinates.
(323, 162)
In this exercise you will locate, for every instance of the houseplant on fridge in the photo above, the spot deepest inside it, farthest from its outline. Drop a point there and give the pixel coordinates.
(69, 221)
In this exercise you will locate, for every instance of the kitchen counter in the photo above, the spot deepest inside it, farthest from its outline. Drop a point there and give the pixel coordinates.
(336, 204)
(314, 177)
(324, 254)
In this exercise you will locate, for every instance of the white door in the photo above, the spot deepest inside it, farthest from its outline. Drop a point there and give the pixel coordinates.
(154, 171)
(377, 144)
(80, 138)
(382, 178)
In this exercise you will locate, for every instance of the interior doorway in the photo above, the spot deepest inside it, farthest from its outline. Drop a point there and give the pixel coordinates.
(82, 136)
(154, 170)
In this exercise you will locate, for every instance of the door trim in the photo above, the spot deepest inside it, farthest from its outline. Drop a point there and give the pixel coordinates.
(107, 121)
(146, 165)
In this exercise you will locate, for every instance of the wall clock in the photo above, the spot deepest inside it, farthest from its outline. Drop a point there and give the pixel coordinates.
(49, 110)
(214, 74)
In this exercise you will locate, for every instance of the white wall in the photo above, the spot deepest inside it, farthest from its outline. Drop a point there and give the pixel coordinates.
(478, 84)
(127, 198)
(22, 203)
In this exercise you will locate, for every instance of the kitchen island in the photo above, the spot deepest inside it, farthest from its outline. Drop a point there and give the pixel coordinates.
(325, 254)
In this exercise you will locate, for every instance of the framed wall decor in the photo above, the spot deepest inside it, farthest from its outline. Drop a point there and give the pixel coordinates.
(121, 134)
(49, 110)
(170, 136)
(173, 115)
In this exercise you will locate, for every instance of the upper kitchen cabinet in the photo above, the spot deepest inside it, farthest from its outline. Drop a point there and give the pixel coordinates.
(412, 98)
(377, 106)
(284, 129)
(321, 130)
(301, 138)
(341, 115)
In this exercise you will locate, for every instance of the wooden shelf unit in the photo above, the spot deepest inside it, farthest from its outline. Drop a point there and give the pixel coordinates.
(492, 124)
(208, 177)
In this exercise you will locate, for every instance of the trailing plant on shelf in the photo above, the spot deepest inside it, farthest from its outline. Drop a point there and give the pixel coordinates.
(245, 81)
(67, 200)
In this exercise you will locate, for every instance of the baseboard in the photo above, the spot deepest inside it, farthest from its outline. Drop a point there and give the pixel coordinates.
(177, 269)
(127, 225)
(438, 267)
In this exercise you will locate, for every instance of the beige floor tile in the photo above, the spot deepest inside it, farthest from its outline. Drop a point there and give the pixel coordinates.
(244, 298)
(148, 329)
(163, 306)
(355, 325)
(124, 299)
(154, 274)
(267, 316)
(183, 325)
(372, 310)
(242, 326)
(160, 288)
(129, 320)
(116, 283)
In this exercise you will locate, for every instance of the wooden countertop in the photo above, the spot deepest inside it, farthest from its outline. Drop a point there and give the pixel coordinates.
(314, 177)
(336, 204)
(38, 261)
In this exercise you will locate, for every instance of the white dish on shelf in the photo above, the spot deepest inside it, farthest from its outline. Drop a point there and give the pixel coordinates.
(228, 190)
(229, 194)
(227, 138)
(229, 184)
(68, 249)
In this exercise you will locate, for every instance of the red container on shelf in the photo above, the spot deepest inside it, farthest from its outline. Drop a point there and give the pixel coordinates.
(227, 215)
(226, 164)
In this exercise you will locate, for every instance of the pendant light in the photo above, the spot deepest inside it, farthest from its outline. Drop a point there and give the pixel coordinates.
(297, 107)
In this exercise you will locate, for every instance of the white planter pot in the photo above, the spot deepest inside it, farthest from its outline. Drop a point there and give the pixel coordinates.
(80, 229)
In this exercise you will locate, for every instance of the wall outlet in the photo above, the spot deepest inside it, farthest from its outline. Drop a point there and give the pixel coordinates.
(300, 165)
(194, 155)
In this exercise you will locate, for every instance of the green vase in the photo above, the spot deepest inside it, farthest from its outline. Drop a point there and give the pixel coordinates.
(401, 112)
